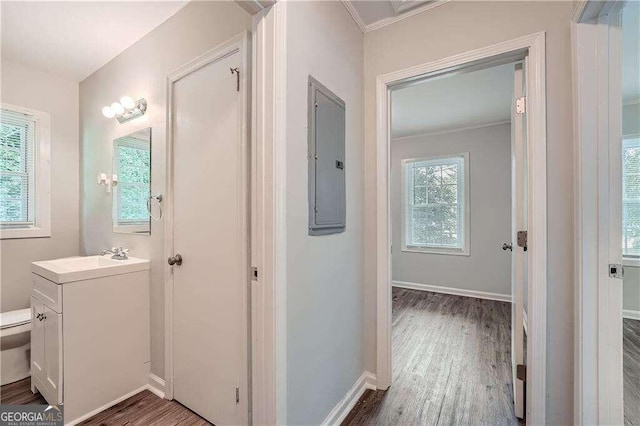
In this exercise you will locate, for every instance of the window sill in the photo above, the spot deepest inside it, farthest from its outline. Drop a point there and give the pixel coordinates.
(18, 233)
(430, 250)
(631, 261)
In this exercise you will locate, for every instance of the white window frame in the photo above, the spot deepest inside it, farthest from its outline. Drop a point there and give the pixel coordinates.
(465, 220)
(626, 259)
(42, 179)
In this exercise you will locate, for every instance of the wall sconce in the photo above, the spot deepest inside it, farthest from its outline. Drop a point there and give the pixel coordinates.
(108, 183)
(125, 110)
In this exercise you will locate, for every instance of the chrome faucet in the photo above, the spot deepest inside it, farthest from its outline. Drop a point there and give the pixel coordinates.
(118, 253)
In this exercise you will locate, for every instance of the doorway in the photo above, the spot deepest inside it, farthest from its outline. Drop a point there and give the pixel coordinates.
(457, 203)
(207, 285)
(529, 49)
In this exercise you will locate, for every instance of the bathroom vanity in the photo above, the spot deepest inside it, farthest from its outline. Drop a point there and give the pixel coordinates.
(90, 332)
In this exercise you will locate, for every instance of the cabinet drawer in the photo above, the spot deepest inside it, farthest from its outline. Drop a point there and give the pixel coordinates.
(47, 292)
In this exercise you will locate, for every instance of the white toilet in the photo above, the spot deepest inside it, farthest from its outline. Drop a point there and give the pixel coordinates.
(15, 330)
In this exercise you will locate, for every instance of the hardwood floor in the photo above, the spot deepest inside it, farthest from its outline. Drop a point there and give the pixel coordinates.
(631, 366)
(19, 393)
(451, 364)
(142, 409)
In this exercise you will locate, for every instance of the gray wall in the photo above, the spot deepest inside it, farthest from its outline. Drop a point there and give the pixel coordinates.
(141, 71)
(26, 87)
(454, 28)
(325, 306)
(488, 267)
(631, 284)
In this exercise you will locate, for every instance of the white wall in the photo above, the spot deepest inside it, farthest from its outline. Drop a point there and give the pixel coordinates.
(488, 267)
(141, 71)
(26, 87)
(458, 27)
(325, 307)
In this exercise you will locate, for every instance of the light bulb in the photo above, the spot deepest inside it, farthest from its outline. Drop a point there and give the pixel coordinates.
(117, 108)
(128, 102)
(108, 112)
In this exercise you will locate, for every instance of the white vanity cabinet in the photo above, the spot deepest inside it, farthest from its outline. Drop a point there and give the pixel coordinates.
(90, 344)
(46, 339)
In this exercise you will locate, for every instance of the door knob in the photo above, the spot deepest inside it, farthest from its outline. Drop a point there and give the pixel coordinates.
(175, 260)
(507, 246)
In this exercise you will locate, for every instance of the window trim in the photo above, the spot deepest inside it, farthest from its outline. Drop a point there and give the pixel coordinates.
(42, 165)
(629, 260)
(465, 250)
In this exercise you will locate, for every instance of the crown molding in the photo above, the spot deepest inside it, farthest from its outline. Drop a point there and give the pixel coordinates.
(446, 130)
(355, 15)
(365, 28)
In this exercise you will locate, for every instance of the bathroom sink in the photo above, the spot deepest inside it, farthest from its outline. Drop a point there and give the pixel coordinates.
(70, 269)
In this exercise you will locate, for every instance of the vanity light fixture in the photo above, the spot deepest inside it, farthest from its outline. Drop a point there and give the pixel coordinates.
(125, 110)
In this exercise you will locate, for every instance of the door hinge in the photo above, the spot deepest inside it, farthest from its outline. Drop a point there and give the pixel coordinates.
(521, 372)
(237, 395)
(522, 239)
(521, 105)
(254, 273)
(616, 270)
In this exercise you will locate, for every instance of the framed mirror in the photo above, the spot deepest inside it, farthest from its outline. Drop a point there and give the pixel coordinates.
(131, 192)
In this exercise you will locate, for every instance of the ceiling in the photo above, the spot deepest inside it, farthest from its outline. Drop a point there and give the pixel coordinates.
(373, 14)
(631, 52)
(74, 39)
(462, 100)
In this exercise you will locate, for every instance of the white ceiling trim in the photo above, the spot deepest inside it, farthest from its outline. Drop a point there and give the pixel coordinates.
(365, 28)
(451, 130)
(355, 15)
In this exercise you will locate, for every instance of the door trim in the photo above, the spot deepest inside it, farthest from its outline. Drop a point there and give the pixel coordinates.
(534, 46)
(597, 74)
(238, 44)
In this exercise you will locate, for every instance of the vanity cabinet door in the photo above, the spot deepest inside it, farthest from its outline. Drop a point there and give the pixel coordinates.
(53, 355)
(37, 340)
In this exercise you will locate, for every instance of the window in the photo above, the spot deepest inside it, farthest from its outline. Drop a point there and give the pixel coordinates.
(133, 167)
(631, 198)
(436, 212)
(24, 173)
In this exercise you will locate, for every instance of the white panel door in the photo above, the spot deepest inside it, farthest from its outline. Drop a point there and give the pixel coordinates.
(210, 223)
(53, 355)
(518, 223)
(37, 340)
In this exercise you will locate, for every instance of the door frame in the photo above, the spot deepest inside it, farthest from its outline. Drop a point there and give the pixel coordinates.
(597, 103)
(238, 44)
(534, 46)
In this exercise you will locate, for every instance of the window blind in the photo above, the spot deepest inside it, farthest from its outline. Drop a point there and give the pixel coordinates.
(17, 169)
(631, 198)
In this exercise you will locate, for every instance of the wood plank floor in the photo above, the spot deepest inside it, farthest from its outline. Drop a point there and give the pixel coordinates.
(451, 364)
(142, 409)
(631, 366)
(19, 393)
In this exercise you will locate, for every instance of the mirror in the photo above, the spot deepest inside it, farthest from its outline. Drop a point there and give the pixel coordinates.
(132, 166)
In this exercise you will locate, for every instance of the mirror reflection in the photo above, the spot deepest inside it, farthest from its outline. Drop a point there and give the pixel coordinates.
(132, 166)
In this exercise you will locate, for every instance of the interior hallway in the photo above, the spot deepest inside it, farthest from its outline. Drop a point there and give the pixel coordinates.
(451, 364)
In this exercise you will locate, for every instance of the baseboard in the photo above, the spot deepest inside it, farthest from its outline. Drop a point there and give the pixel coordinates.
(629, 314)
(346, 404)
(455, 291)
(156, 385)
(104, 407)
